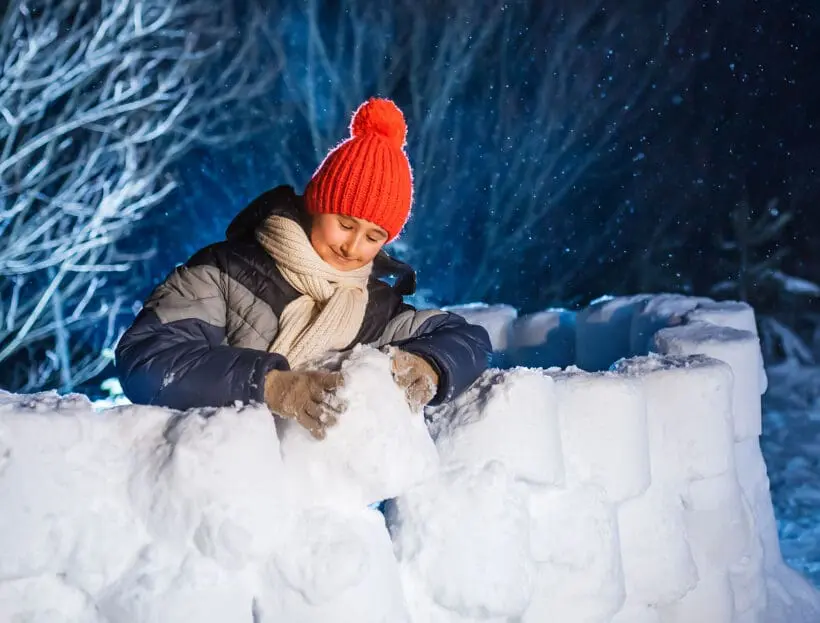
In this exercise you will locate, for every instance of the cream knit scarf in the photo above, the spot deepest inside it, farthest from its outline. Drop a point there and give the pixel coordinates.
(330, 311)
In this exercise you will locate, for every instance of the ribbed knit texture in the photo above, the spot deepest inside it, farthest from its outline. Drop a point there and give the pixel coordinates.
(330, 311)
(367, 176)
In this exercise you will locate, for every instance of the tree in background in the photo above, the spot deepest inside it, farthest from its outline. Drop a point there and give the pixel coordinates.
(521, 115)
(98, 101)
(751, 255)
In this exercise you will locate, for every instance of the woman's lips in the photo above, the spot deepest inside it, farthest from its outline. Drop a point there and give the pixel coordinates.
(341, 257)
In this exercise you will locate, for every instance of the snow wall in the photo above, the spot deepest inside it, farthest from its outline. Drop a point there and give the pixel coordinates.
(628, 489)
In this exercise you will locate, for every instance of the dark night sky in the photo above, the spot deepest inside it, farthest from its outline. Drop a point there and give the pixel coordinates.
(747, 124)
(764, 81)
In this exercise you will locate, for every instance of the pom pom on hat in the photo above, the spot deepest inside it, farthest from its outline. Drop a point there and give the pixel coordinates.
(380, 116)
(367, 176)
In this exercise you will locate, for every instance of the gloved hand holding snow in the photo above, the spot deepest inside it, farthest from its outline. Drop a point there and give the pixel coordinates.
(309, 397)
(374, 452)
(415, 376)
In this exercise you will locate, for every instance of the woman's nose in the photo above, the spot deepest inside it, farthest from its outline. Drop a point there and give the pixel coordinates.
(349, 246)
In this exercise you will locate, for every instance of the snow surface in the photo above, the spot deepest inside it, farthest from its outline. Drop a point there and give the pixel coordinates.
(733, 314)
(740, 349)
(636, 493)
(344, 472)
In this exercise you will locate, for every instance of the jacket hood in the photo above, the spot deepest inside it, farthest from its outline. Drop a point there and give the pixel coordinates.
(283, 200)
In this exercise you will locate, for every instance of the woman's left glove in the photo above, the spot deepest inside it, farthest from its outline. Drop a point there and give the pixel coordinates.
(415, 376)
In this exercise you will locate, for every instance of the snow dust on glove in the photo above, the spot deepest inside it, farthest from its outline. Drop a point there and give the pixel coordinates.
(309, 397)
(415, 376)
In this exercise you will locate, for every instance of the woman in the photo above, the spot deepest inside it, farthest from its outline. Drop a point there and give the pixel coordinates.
(295, 278)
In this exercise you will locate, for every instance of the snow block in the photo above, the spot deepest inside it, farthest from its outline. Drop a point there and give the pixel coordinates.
(602, 331)
(747, 577)
(631, 613)
(790, 596)
(716, 524)
(689, 414)
(464, 536)
(602, 418)
(740, 349)
(710, 600)
(510, 417)
(339, 566)
(754, 482)
(544, 339)
(376, 450)
(749, 617)
(660, 311)
(657, 562)
(496, 319)
(46, 598)
(424, 610)
(735, 314)
(574, 540)
(63, 490)
(181, 588)
(189, 483)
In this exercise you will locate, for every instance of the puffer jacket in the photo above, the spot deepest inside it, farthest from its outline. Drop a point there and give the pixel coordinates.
(202, 336)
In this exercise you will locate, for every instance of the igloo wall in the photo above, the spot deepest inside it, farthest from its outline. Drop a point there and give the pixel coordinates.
(631, 491)
(659, 412)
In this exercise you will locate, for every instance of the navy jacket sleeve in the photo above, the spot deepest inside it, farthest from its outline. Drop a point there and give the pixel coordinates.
(180, 361)
(459, 351)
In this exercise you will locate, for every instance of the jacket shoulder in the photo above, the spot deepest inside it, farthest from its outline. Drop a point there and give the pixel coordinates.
(245, 262)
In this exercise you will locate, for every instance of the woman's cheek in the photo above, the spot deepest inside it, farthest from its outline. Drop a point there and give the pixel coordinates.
(373, 249)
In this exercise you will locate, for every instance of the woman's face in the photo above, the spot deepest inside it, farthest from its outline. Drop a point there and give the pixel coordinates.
(346, 242)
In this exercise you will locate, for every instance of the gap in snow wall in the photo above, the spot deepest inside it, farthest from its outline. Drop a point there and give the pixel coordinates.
(628, 489)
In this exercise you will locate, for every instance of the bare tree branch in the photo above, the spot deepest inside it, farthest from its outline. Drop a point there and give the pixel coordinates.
(98, 100)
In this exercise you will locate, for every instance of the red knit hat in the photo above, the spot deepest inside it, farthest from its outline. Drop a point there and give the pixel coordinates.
(367, 176)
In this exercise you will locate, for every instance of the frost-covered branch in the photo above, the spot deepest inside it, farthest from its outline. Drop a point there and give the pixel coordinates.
(98, 100)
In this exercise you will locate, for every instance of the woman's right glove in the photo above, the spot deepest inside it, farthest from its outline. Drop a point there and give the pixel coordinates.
(309, 397)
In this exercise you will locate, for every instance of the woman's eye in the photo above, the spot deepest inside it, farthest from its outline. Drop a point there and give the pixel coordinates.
(371, 240)
(346, 227)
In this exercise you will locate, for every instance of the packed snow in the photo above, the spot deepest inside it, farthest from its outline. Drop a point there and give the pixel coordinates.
(628, 487)
(344, 472)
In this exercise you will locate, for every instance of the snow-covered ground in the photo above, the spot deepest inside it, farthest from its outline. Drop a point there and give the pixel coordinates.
(625, 493)
(791, 445)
